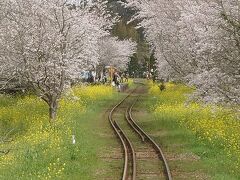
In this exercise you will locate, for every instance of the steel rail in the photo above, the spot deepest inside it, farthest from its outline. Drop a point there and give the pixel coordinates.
(131, 150)
(124, 175)
(127, 145)
(141, 133)
(119, 131)
(130, 123)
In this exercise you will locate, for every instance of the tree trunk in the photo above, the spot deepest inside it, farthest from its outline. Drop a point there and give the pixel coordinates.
(53, 106)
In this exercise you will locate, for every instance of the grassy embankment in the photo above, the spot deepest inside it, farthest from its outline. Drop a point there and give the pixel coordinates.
(38, 151)
(201, 142)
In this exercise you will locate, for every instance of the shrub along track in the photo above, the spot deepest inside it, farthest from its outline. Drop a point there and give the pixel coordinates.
(143, 158)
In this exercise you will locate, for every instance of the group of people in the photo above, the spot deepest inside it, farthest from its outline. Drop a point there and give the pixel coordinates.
(119, 78)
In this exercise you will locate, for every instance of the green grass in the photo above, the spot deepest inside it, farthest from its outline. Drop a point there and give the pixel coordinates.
(93, 135)
(39, 151)
(189, 155)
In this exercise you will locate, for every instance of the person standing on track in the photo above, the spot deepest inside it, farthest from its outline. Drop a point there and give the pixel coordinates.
(122, 76)
(116, 79)
(126, 77)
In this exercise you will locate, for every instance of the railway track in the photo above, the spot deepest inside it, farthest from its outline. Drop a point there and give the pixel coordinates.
(143, 158)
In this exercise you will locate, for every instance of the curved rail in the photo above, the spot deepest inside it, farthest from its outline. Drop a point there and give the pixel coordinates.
(127, 146)
(142, 133)
(130, 123)
(130, 149)
(129, 152)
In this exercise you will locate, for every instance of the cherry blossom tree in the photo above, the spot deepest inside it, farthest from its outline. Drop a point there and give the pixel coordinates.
(47, 42)
(116, 52)
(214, 26)
(196, 41)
